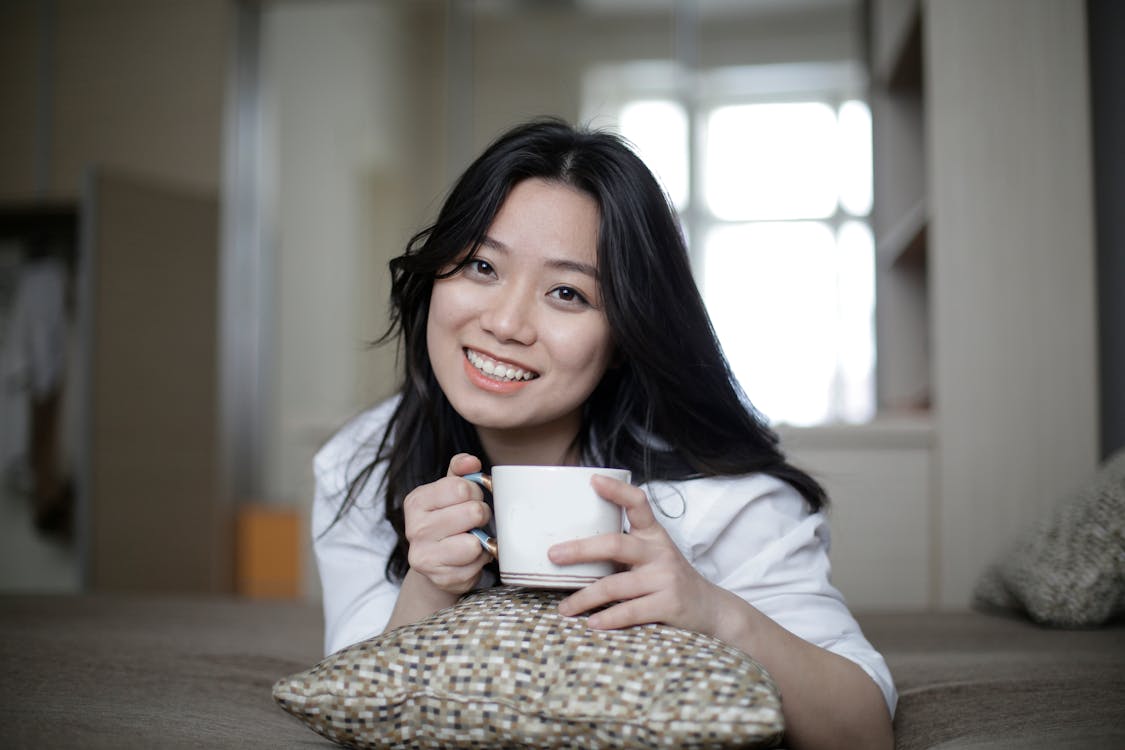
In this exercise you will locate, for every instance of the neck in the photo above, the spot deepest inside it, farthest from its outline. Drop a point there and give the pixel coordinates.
(545, 445)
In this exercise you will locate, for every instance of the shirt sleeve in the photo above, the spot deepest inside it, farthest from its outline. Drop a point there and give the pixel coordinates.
(351, 551)
(754, 536)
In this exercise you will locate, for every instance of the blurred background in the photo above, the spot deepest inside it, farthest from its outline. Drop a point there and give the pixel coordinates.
(903, 216)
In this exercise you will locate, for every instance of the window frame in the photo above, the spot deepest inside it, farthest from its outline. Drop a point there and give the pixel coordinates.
(609, 89)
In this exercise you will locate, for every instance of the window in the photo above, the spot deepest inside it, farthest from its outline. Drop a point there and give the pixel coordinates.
(773, 186)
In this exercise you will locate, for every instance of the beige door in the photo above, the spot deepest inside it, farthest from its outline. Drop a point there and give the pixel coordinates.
(151, 515)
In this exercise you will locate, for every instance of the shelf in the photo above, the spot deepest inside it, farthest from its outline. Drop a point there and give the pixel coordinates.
(904, 245)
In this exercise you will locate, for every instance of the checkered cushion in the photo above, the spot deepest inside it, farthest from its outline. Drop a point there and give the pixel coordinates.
(1068, 570)
(503, 669)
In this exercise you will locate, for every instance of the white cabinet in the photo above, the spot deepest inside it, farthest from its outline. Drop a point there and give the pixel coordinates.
(984, 221)
(878, 480)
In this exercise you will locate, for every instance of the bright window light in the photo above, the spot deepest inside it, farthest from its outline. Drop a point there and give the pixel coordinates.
(771, 161)
(771, 289)
(855, 158)
(779, 230)
(659, 131)
(793, 305)
(855, 321)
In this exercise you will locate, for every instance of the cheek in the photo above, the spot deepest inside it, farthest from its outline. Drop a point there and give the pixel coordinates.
(588, 351)
(447, 308)
(439, 323)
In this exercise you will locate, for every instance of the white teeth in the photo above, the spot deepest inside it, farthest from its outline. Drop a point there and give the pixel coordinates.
(497, 370)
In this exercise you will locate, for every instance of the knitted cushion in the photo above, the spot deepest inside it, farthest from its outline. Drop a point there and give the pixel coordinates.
(1070, 570)
(503, 669)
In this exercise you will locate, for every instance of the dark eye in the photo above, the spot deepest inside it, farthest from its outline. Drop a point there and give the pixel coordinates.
(479, 266)
(569, 295)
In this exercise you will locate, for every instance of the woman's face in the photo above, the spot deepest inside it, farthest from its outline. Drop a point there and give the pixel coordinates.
(518, 338)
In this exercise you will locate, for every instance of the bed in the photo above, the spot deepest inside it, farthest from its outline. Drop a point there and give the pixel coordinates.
(120, 671)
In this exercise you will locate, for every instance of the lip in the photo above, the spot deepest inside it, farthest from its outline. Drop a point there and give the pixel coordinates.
(485, 383)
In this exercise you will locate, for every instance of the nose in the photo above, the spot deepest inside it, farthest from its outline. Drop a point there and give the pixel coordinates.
(509, 316)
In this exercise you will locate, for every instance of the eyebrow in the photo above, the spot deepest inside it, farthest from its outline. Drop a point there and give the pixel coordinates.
(560, 263)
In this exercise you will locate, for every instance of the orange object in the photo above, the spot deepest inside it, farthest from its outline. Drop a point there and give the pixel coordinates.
(267, 552)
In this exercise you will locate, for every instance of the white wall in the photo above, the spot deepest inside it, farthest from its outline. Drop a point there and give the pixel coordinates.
(344, 123)
(879, 480)
(531, 60)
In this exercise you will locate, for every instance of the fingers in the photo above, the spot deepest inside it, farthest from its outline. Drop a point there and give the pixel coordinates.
(437, 516)
(632, 599)
(451, 561)
(623, 615)
(614, 588)
(460, 568)
(681, 598)
(456, 519)
(623, 548)
(449, 490)
(632, 499)
(437, 524)
(645, 536)
(459, 551)
(659, 585)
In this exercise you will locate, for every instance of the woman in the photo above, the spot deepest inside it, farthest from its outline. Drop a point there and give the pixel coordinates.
(549, 316)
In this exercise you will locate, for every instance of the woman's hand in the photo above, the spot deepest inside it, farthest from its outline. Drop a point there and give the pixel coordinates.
(660, 585)
(437, 517)
(829, 701)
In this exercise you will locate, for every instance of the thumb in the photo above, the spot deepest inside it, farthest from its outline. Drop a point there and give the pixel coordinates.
(462, 464)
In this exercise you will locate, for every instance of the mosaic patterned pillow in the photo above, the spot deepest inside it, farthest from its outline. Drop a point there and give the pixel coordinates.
(503, 669)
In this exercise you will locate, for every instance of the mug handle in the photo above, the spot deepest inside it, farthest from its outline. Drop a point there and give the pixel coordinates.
(486, 541)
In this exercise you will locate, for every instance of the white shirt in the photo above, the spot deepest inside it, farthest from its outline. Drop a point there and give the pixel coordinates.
(752, 535)
(33, 346)
(38, 325)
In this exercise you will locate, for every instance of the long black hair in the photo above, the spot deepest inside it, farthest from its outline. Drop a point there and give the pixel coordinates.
(668, 410)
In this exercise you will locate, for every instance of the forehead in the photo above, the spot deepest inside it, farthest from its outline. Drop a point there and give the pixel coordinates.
(548, 220)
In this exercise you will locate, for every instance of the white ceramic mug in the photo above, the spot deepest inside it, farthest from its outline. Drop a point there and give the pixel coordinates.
(535, 507)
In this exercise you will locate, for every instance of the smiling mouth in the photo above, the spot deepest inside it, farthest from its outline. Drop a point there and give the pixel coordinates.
(498, 370)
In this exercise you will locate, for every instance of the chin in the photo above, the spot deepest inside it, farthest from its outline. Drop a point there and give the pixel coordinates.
(491, 419)
(495, 415)
(485, 412)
